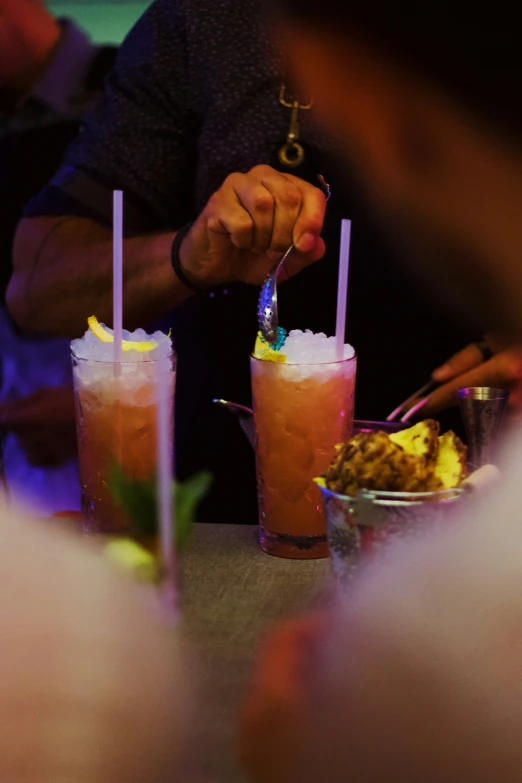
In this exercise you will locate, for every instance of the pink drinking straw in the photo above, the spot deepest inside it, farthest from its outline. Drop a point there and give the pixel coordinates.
(164, 470)
(117, 273)
(342, 288)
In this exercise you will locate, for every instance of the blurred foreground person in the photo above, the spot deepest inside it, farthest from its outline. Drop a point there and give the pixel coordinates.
(415, 677)
(435, 144)
(50, 74)
(93, 684)
(434, 141)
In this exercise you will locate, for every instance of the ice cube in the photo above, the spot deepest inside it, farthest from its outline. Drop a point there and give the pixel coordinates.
(309, 348)
(91, 348)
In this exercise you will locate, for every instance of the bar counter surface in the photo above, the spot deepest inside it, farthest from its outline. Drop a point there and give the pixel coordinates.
(232, 593)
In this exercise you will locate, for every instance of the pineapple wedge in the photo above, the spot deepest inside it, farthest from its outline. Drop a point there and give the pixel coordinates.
(422, 440)
(413, 460)
(372, 461)
(450, 469)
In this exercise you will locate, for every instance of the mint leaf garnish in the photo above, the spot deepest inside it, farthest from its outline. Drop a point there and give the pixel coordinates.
(138, 499)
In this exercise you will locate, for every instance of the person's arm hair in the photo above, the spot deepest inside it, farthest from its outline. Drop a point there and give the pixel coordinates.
(63, 273)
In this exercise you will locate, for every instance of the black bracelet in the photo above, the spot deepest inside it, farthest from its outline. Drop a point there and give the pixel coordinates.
(176, 261)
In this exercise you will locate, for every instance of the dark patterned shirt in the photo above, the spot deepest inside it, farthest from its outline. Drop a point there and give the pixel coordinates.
(193, 98)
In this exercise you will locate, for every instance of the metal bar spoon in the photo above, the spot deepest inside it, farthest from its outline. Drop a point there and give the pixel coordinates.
(267, 312)
(245, 417)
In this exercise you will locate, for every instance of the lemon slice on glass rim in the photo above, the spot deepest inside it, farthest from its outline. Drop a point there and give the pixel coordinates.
(265, 352)
(126, 345)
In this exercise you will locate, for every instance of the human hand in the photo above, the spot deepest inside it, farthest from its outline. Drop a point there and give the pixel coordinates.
(503, 370)
(44, 423)
(249, 223)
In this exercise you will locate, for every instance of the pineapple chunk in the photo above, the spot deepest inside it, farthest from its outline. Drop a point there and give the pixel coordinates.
(414, 460)
(422, 440)
(372, 461)
(451, 469)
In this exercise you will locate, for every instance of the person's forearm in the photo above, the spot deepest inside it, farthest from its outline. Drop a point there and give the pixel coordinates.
(63, 274)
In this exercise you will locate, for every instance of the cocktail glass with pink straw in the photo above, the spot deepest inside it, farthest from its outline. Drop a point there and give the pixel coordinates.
(303, 407)
(117, 403)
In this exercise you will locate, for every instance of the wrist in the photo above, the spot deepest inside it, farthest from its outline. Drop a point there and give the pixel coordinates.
(177, 261)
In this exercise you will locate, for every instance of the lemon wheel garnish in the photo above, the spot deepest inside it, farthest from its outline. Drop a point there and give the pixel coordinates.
(126, 345)
(263, 351)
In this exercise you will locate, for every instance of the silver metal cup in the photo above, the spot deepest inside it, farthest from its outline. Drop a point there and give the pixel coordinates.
(365, 525)
(482, 409)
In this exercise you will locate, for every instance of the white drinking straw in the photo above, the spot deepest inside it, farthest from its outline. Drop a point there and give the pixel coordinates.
(165, 500)
(117, 273)
(342, 288)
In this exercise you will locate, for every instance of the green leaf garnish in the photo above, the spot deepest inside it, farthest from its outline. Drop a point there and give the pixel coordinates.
(138, 499)
(187, 497)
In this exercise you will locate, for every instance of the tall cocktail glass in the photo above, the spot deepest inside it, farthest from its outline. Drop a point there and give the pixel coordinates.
(116, 408)
(301, 412)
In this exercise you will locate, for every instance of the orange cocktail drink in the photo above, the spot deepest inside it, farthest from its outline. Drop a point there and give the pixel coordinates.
(116, 409)
(301, 412)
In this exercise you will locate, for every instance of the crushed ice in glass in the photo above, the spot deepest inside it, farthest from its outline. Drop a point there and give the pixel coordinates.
(89, 347)
(309, 348)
